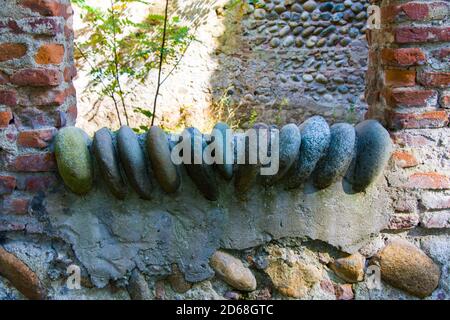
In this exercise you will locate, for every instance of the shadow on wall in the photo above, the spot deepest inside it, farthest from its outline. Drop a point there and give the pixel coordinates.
(284, 61)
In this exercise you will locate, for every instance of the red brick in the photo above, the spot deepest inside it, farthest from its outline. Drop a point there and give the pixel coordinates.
(403, 221)
(404, 159)
(7, 184)
(435, 220)
(5, 118)
(39, 183)
(400, 78)
(411, 97)
(435, 201)
(421, 34)
(49, 97)
(36, 162)
(46, 7)
(50, 54)
(70, 73)
(36, 138)
(431, 119)
(434, 79)
(10, 51)
(37, 77)
(421, 11)
(403, 57)
(15, 205)
(8, 97)
(428, 180)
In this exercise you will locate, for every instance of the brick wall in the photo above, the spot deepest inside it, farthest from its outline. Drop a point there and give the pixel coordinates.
(408, 89)
(36, 95)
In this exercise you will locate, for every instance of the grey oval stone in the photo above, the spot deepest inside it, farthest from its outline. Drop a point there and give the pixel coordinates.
(165, 171)
(289, 147)
(201, 174)
(224, 150)
(108, 162)
(374, 147)
(133, 162)
(247, 173)
(340, 154)
(315, 134)
(74, 160)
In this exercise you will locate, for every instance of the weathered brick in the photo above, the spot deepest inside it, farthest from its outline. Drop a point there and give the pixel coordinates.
(46, 7)
(406, 139)
(38, 183)
(7, 184)
(445, 99)
(411, 97)
(421, 34)
(10, 51)
(402, 221)
(403, 57)
(404, 159)
(435, 220)
(400, 78)
(37, 77)
(35, 162)
(6, 117)
(421, 11)
(50, 54)
(431, 119)
(48, 26)
(435, 201)
(70, 73)
(434, 79)
(428, 180)
(15, 205)
(4, 78)
(54, 97)
(405, 204)
(8, 97)
(40, 138)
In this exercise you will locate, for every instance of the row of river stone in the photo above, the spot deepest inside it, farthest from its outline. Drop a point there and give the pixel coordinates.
(312, 149)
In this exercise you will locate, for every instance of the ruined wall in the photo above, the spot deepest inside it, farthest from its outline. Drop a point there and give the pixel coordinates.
(284, 243)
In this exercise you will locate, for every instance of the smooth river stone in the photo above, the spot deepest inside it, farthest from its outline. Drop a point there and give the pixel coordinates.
(74, 160)
(201, 174)
(247, 173)
(339, 156)
(374, 147)
(224, 149)
(165, 171)
(108, 162)
(289, 147)
(133, 162)
(315, 134)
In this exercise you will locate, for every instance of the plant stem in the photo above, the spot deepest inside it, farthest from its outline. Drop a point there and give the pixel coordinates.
(103, 84)
(161, 58)
(116, 63)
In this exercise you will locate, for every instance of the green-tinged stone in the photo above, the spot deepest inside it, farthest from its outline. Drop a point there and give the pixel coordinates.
(108, 162)
(224, 149)
(73, 159)
(133, 162)
(165, 171)
(374, 147)
(202, 174)
(340, 154)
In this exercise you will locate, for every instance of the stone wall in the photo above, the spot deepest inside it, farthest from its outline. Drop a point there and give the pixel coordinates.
(300, 244)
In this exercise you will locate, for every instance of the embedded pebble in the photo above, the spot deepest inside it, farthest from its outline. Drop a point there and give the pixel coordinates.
(74, 160)
(339, 156)
(166, 173)
(374, 147)
(315, 134)
(107, 159)
(133, 162)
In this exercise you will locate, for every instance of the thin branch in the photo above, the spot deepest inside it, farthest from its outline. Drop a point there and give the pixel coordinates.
(161, 58)
(116, 63)
(101, 81)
